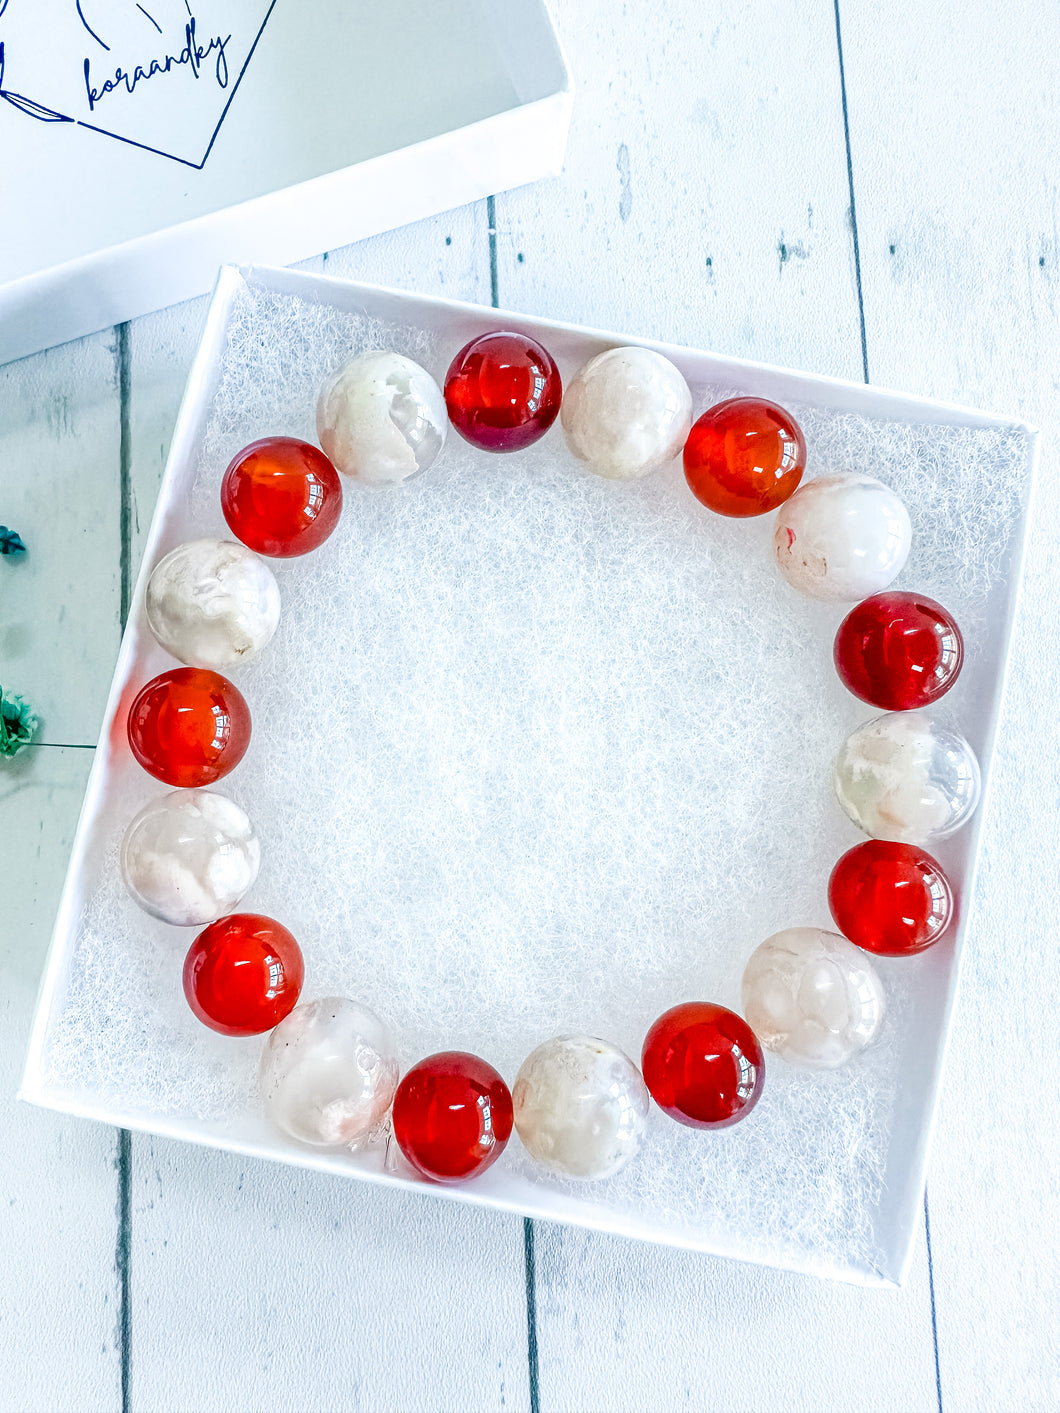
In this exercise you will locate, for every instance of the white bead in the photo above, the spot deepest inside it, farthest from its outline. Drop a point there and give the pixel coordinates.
(580, 1106)
(213, 603)
(903, 777)
(328, 1072)
(842, 538)
(189, 857)
(381, 418)
(812, 997)
(628, 412)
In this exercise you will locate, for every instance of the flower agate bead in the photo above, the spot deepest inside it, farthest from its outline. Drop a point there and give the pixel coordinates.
(891, 899)
(189, 727)
(503, 391)
(744, 457)
(580, 1106)
(281, 497)
(243, 974)
(703, 1065)
(212, 603)
(812, 997)
(189, 857)
(898, 651)
(902, 777)
(452, 1116)
(381, 418)
(328, 1073)
(842, 538)
(626, 413)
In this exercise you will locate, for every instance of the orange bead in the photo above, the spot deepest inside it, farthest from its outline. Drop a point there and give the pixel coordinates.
(243, 974)
(281, 497)
(744, 457)
(189, 727)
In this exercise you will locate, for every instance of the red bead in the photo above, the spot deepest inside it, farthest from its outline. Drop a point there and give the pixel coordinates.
(898, 651)
(243, 974)
(892, 899)
(744, 457)
(703, 1065)
(452, 1116)
(281, 497)
(189, 727)
(503, 391)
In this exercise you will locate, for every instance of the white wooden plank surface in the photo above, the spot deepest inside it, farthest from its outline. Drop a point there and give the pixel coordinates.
(958, 213)
(60, 1298)
(699, 137)
(59, 481)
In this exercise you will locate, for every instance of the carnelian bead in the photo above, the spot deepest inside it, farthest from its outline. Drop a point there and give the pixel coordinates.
(898, 651)
(281, 497)
(189, 727)
(452, 1116)
(503, 391)
(703, 1065)
(243, 974)
(744, 457)
(891, 899)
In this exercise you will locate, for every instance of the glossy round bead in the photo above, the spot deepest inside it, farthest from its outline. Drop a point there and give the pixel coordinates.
(189, 857)
(281, 497)
(189, 727)
(452, 1116)
(328, 1072)
(503, 391)
(891, 899)
(812, 998)
(381, 418)
(243, 974)
(212, 603)
(903, 777)
(841, 538)
(898, 651)
(744, 457)
(703, 1065)
(626, 412)
(580, 1106)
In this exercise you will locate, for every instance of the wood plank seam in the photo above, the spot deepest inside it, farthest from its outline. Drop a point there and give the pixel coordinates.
(533, 1371)
(865, 369)
(850, 183)
(124, 1159)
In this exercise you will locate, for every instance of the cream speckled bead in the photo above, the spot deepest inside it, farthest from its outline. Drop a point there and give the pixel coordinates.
(812, 997)
(328, 1072)
(189, 857)
(842, 538)
(580, 1106)
(627, 413)
(213, 603)
(381, 418)
(903, 777)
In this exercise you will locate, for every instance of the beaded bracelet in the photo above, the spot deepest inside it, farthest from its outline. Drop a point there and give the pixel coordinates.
(329, 1073)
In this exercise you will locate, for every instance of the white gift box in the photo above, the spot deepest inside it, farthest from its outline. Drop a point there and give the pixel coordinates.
(145, 145)
(498, 798)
